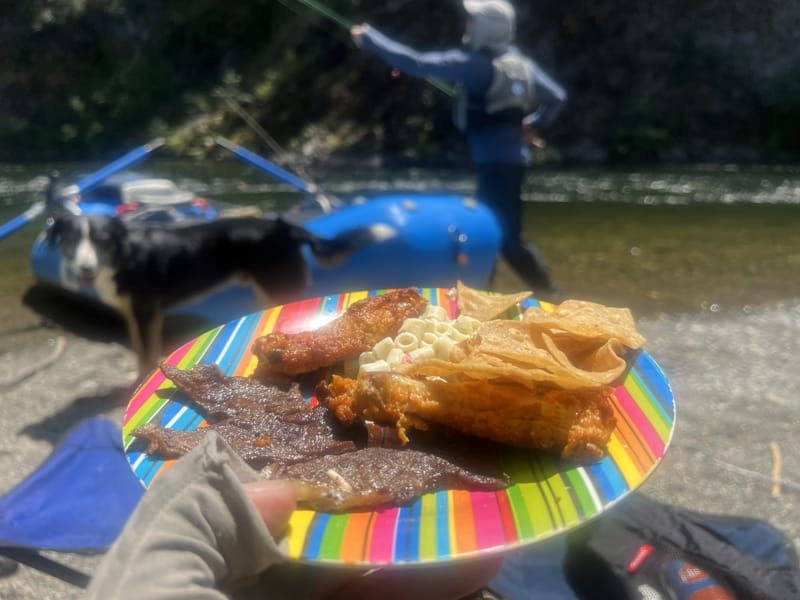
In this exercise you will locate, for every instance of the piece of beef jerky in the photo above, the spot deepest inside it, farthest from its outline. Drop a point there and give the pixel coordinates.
(373, 477)
(261, 422)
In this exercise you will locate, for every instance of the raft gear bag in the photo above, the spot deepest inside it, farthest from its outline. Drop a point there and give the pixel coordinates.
(645, 550)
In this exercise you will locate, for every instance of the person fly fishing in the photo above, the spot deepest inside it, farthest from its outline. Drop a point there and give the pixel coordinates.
(503, 98)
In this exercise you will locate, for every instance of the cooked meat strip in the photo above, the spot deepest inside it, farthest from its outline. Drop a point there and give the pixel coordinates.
(272, 441)
(269, 428)
(223, 397)
(170, 443)
(262, 423)
(576, 424)
(362, 326)
(373, 477)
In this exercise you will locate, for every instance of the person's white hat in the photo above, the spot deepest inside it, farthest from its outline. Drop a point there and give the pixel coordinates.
(492, 24)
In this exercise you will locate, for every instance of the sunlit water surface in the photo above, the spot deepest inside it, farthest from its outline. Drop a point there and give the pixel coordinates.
(657, 240)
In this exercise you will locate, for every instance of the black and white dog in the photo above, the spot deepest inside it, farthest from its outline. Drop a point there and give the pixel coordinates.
(144, 269)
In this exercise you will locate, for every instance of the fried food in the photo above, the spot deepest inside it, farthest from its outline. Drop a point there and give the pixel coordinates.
(579, 344)
(544, 382)
(485, 306)
(370, 478)
(363, 325)
(576, 424)
(512, 351)
(587, 321)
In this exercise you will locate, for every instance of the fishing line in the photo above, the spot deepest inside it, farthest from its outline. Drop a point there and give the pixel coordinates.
(327, 202)
(329, 13)
(335, 33)
(267, 138)
(347, 24)
(343, 23)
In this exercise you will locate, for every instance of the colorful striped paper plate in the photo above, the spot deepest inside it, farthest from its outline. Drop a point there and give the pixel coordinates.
(548, 496)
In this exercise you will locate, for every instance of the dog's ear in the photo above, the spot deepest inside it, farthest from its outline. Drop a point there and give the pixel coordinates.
(112, 232)
(54, 231)
(118, 228)
(53, 190)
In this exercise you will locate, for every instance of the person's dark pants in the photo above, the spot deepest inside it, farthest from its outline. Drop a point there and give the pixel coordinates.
(500, 187)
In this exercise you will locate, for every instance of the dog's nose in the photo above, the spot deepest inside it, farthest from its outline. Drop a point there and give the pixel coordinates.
(86, 270)
(86, 259)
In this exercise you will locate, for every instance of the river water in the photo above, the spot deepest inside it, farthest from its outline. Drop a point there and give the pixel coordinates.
(708, 259)
(661, 241)
(657, 240)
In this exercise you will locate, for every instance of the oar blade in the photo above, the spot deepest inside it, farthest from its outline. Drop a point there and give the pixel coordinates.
(17, 223)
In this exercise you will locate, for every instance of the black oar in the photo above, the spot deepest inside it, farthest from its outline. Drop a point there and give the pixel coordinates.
(280, 173)
(84, 185)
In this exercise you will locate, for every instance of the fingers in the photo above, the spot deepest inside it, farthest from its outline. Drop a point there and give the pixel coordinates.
(357, 34)
(275, 501)
(532, 137)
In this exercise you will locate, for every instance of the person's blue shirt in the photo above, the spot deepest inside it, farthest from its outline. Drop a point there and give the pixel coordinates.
(474, 71)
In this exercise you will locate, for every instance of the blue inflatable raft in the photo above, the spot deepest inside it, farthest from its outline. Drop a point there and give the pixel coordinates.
(441, 238)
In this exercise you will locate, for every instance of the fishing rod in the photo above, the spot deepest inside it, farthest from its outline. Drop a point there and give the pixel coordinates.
(228, 96)
(347, 24)
(267, 138)
(331, 14)
(327, 203)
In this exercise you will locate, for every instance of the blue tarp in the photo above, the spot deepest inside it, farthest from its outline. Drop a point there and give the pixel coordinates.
(79, 499)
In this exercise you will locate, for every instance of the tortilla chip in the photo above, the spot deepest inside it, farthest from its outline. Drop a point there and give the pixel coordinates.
(513, 354)
(584, 320)
(578, 344)
(485, 306)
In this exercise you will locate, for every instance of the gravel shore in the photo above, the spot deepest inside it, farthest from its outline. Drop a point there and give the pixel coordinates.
(87, 378)
(732, 373)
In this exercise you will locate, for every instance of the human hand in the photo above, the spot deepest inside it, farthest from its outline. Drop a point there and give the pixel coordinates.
(531, 136)
(357, 34)
(275, 501)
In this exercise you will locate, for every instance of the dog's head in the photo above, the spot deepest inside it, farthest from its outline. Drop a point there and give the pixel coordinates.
(87, 243)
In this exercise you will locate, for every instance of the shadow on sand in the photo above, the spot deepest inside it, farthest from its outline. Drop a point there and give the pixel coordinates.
(96, 323)
(52, 427)
(99, 323)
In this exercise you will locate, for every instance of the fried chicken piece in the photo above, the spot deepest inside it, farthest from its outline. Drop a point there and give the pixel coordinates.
(576, 424)
(373, 477)
(362, 326)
